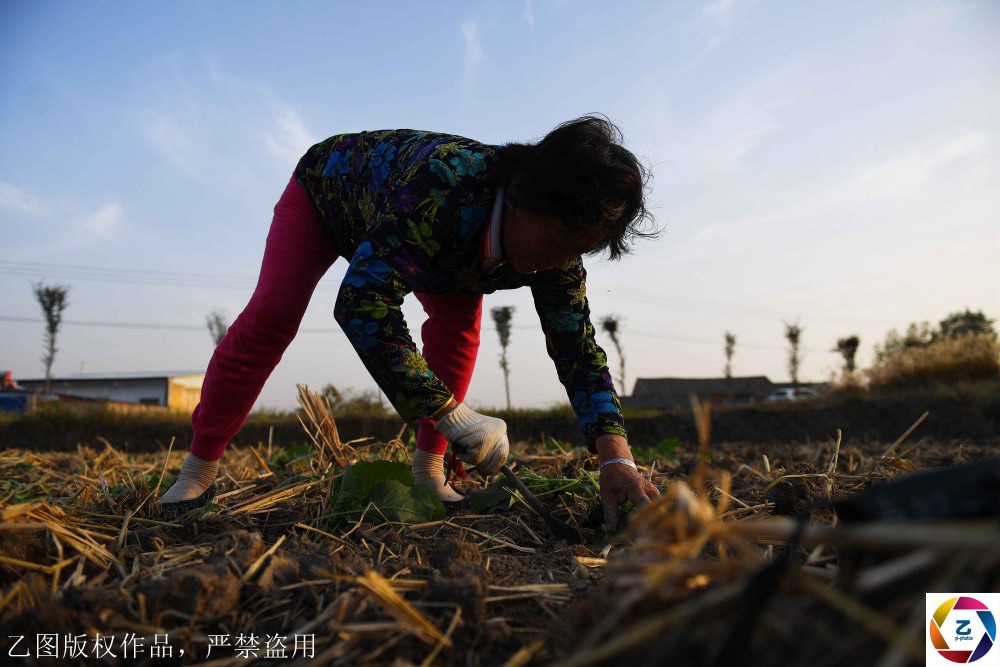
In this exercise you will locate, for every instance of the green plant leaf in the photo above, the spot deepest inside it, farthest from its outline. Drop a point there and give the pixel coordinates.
(667, 452)
(669, 445)
(283, 456)
(360, 478)
(496, 495)
(543, 486)
(20, 492)
(400, 503)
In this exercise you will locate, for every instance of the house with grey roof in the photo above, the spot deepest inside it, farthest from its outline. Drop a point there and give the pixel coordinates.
(177, 391)
(672, 392)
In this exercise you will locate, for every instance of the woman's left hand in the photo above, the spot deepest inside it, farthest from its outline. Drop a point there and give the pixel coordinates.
(619, 483)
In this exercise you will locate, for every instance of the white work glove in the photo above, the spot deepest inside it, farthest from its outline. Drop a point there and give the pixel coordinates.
(479, 440)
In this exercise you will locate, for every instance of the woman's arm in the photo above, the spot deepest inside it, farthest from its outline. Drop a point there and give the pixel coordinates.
(417, 193)
(369, 310)
(561, 301)
(560, 297)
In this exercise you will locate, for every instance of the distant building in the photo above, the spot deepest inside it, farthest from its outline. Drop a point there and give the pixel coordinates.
(650, 393)
(13, 397)
(177, 392)
(671, 392)
(8, 382)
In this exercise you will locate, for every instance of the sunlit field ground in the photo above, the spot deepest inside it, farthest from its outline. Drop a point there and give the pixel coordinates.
(746, 554)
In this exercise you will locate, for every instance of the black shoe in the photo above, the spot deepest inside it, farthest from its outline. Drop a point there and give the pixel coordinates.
(173, 510)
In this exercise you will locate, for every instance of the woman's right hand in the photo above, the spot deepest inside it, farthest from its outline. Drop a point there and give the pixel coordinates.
(479, 440)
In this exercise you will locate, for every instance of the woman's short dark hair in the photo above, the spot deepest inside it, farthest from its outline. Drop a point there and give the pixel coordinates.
(580, 173)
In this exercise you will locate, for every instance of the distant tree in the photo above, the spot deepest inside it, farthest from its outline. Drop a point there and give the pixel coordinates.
(730, 348)
(367, 401)
(848, 348)
(217, 326)
(53, 299)
(611, 325)
(793, 332)
(959, 324)
(353, 402)
(333, 396)
(923, 335)
(502, 316)
(917, 335)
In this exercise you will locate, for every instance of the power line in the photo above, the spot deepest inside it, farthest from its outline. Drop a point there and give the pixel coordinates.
(697, 305)
(138, 325)
(712, 341)
(105, 325)
(219, 281)
(710, 306)
(52, 271)
(104, 269)
(328, 330)
(123, 276)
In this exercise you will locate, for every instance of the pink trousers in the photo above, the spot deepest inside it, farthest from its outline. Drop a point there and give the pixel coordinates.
(296, 256)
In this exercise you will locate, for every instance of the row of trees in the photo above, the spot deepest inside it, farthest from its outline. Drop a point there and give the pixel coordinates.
(955, 326)
(793, 334)
(922, 335)
(54, 299)
(502, 316)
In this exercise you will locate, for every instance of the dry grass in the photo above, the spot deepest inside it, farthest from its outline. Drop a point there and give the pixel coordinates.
(84, 548)
(952, 360)
(94, 530)
(707, 557)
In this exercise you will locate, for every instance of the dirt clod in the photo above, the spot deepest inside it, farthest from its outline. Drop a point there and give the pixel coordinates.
(455, 558)
(467, 592)
(205, 592)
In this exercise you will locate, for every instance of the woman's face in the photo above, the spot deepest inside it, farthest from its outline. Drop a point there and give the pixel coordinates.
(537, 242)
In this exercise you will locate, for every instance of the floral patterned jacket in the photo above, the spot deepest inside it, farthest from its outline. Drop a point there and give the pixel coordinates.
(410, 209)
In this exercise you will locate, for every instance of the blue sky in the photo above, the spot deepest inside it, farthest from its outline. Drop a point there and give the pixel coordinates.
(831, 164)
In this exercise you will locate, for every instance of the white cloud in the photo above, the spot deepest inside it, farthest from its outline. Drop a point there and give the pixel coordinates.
(719, 12)
(973, 143)
(474, 54)
(168, 136)
(64, 228)
(910, 173)
(102, 223)
(936, 16)
(916, 180)
(15, 199)
(529, 13)
(707, 234)
(717, 15)
(222, 131)
(289, 139)
(80, 229)
(884, 212)
(738, 125)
